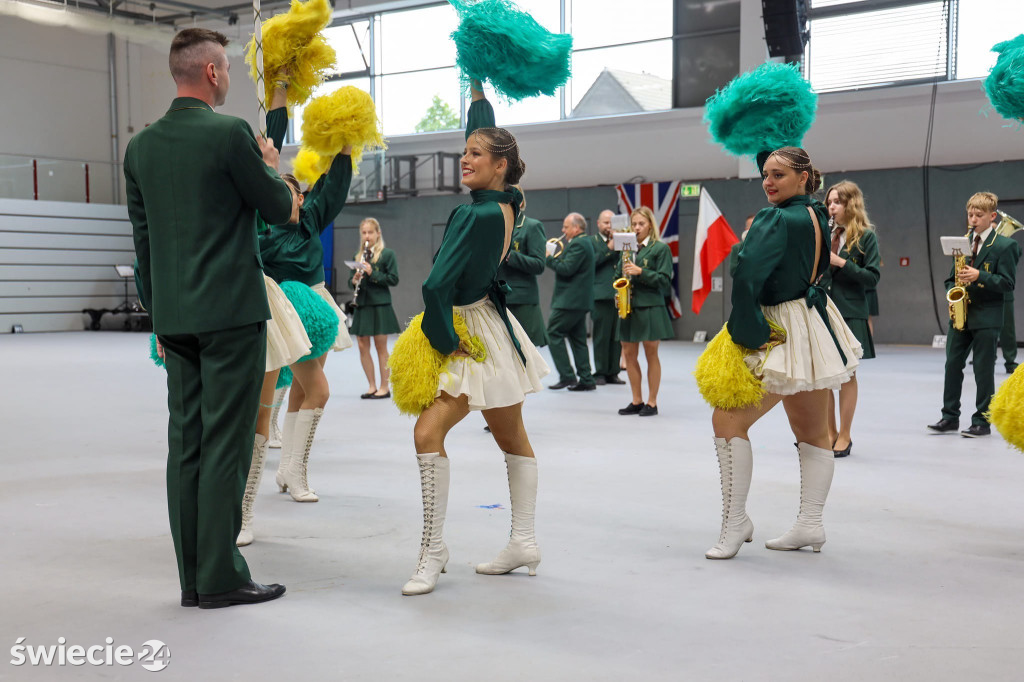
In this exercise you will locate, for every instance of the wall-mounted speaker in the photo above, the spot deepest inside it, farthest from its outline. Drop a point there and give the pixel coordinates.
(785, 27)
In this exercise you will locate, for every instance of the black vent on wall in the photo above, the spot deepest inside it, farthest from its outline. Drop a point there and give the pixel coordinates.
(785, 27)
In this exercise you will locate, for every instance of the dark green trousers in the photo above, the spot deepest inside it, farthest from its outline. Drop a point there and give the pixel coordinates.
(572, 325)
(1008, 336)
(607, 350)
(958, 345)
(213, 394)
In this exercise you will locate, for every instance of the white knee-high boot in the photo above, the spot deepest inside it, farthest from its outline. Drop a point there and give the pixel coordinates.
(252, 486)
(275, 431)
(287, 434)
(522, 547)
(816, 468)
(295, 476)
(434, 478)
(735, 463)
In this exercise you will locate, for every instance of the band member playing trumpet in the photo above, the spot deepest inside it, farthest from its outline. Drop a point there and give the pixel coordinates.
(573, 264)
(650, 274)
(987, 274)
(607, 349)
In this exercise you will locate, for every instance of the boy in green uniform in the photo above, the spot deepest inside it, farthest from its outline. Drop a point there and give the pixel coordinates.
(194, 181)
(572, 300)
(990, 274)
(607, 350)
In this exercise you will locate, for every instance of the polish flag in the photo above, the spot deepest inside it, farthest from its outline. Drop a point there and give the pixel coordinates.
(713, 242)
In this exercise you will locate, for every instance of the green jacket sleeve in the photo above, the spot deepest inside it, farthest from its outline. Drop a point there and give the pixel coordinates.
(1004, 277)
(480, 115)
(258, 184)
(734, 258)
(385, 272)
(328, 196)
(659, 273)
(868, 274)
(530, 257)
(439, 287)
(277, 126)
(572, 259)
(140, 233)
(602, 254)
(764, 249)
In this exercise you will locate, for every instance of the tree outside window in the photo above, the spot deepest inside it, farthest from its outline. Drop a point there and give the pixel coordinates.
(440, 116)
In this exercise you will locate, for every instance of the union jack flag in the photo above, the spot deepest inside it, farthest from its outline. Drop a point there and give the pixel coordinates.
(663, 200)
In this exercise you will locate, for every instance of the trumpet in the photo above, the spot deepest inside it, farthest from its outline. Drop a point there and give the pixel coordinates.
(1007, 225)
(559, 247)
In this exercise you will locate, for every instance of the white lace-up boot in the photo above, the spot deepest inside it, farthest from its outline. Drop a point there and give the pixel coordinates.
(434, 477)
(522, 547)
(294, 480)
(252, 486)
(816, 468)
(287, 434)
(275, 431)
(736, 463)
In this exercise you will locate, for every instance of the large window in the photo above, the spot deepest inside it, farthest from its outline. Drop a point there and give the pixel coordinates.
(982, 24)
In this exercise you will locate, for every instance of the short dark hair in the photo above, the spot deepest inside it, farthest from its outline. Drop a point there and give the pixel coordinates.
(188, 52)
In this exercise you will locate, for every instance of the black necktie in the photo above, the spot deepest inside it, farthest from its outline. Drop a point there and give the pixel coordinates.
(977, 246)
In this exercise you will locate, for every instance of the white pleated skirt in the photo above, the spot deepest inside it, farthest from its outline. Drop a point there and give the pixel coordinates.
(286, 337)
(500, 379)
(809, 359)
(343, 340)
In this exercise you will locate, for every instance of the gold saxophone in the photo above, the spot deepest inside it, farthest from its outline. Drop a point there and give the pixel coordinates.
(957, 296)
(624, 288)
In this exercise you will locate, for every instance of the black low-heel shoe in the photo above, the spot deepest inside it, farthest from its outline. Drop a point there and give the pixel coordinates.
(844, 452)
(648, 411)
(189, 598)
(253, 593)
(632, 408)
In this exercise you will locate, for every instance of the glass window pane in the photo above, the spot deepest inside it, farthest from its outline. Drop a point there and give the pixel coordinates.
(815, 4)
(408, 99)
(325, 89)
(352, 46)
(606, 22)
(622, 79)
(417, 39)
(531, 110)
(547, 13)
(980, 25)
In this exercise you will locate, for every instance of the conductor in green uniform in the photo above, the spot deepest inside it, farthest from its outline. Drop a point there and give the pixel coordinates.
(195, 180)
(990, 274)
(572, 300)
(520, 270)
(605, 316)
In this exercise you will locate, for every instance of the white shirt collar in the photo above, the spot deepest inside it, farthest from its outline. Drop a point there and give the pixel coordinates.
(984, 236)
(646, 241)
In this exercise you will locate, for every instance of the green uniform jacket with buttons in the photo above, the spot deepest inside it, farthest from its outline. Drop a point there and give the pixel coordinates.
(1016, 251)
(775, 265)
(605, 261)
(199, 260)
(848, 286)
(574, 275)
(525, 261)
(295, 252)
(376, 288)
(651, 285)
(996, 263)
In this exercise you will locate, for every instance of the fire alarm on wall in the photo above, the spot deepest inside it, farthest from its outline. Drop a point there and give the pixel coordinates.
(904, 262)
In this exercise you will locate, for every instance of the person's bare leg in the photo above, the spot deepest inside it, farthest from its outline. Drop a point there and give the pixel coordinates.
(833, 429)
(631, 352)
(847, 408)
(367, 362)
(380, 342)
(653, 371)
(309, 396)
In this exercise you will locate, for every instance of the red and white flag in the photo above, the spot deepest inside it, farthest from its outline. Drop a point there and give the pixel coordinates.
(713, 242)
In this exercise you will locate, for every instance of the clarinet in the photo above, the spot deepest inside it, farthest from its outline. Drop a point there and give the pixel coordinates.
(367, 255)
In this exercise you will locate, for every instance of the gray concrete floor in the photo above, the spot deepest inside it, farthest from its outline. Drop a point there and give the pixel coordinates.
(920, 580)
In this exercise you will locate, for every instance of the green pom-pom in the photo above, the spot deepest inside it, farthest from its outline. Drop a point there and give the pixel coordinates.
(1006, 411)
(723, 378)
(284, 378)
(319, 319)
(498, 42)
(1005, 83)
(157, 360)
(770, 107)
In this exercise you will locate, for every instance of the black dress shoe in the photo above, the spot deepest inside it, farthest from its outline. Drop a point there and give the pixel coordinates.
(366, 396)
(600, 380)
(843, 453)
(189, 598)
(977, 431)
(562, 384)
(945, 426)
(376, 396)
(1010, 369)
(583, 387)
(614, 379)
(253, 593)
(632, 408)
(648, 410)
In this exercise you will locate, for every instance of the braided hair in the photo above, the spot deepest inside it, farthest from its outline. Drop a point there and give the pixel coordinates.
(500, 144)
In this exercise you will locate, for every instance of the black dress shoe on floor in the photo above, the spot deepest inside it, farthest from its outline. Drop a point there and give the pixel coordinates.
(945, 426)
(632, 408)
(189, 598)
(648, 411)
(1010, 369)
(600, 380)
(583, 387)
(253, 593)
(562, 384)
(615, 380)
(977, 431)
(843, 453)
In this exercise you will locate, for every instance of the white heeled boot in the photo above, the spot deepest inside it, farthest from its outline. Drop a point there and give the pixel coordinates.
(275, 431)
(816, 468)
(287, 435)
(252, 486)
(434, 477)
(736, 463)
(522, 547)
(294, 480)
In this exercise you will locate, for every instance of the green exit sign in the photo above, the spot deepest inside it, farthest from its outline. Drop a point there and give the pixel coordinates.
(689, 191)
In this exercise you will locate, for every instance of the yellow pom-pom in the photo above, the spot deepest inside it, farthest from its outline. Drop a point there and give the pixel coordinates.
(292, 42)
(342, 118)
(416, 366)
(723, 378)
(1006, 411)
(308, 166)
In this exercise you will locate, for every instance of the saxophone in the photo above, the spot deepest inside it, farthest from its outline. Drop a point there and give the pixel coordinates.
(366, 257)
(957, 296)
(624, 288)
